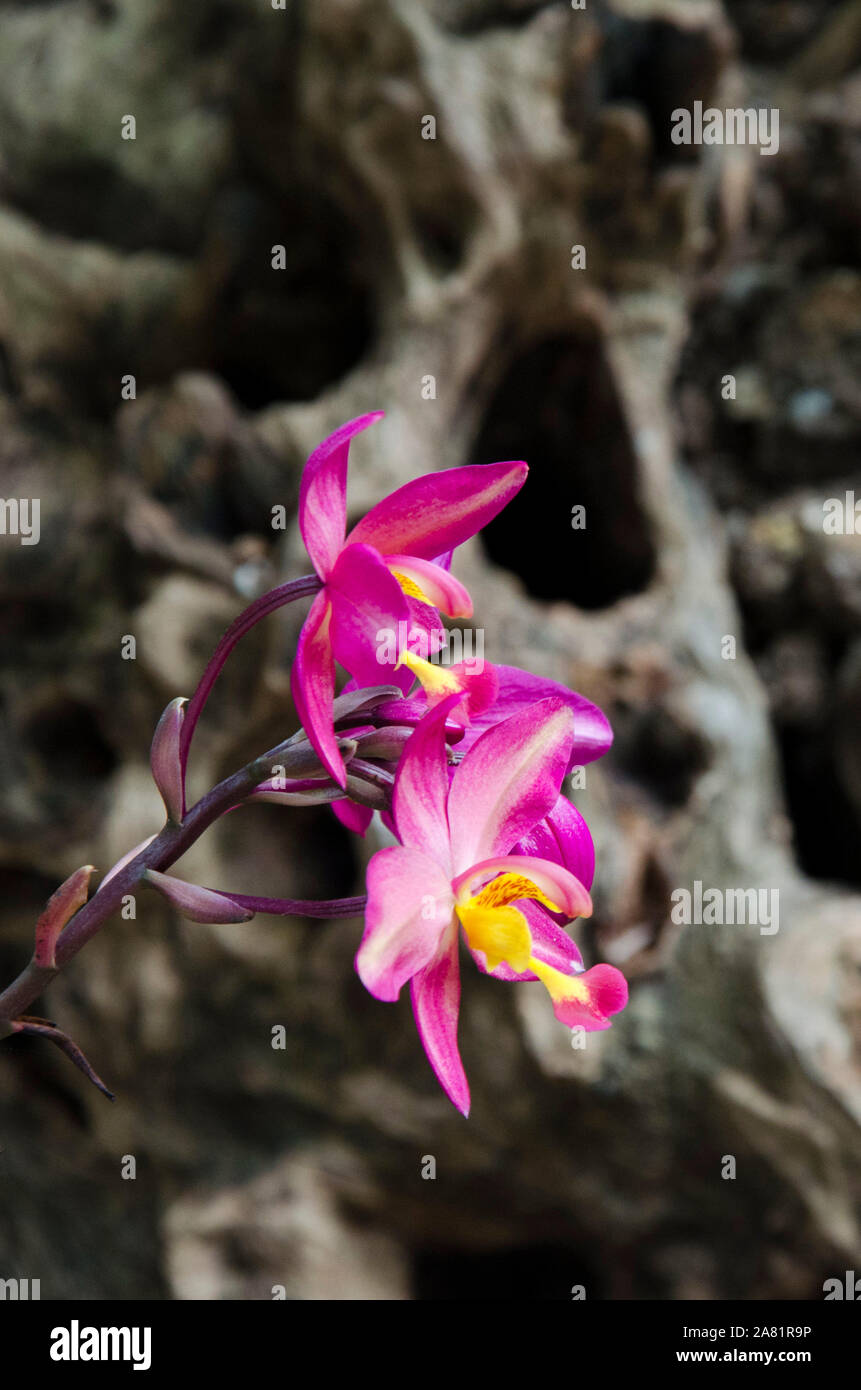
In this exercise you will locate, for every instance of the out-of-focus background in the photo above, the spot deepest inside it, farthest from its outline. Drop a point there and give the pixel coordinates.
(694, 385)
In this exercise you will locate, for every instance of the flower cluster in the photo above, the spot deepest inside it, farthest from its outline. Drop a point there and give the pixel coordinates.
(487, 844)
(464, 765)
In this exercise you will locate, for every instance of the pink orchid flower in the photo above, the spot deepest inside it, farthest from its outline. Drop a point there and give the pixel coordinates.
(385, 573)
(455, 868)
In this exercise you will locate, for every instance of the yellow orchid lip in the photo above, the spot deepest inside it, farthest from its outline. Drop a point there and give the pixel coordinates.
(496, 928)
(501, 933)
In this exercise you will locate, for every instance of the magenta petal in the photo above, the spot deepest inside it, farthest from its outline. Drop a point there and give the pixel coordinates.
(410, 905)
(563, 836)
(520, 689)
(426, 635)
(421, 787)
(439, 511)
(354, 817)
(435, 995)
(605, 992)
(312, 682)
(508, 781)
(550, 942)
(323, 494)
(368, 605)
(480, 684)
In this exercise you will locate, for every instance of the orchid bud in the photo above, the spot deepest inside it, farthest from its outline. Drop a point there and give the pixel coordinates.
(387, 742)
(307, 792)
(165, 759)
(61, 907)
(299, 760)
(362, 701)
(196, 903)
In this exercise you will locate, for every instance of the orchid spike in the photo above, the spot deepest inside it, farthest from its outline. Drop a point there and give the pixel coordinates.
(383, 576)
(455, 868)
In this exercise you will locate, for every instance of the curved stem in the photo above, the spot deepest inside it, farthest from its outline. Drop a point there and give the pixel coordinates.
(267, 603)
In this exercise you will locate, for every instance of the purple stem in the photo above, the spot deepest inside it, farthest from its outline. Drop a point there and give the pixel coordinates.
(299, 907)
(260, 608)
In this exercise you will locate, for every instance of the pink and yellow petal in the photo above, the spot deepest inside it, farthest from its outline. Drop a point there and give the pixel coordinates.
(501, 934)
(587, 1000)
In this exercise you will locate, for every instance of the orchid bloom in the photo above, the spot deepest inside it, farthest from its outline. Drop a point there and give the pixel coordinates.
(455, 868)
(385, 573)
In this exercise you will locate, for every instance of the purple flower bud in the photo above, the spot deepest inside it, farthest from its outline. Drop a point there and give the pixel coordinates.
(196, 903)
(386, 742)
(295, 792)
(62, 905)
(165, 759)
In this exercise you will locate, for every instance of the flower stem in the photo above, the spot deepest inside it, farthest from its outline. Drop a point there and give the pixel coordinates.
(267, 603)
(299, 907)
